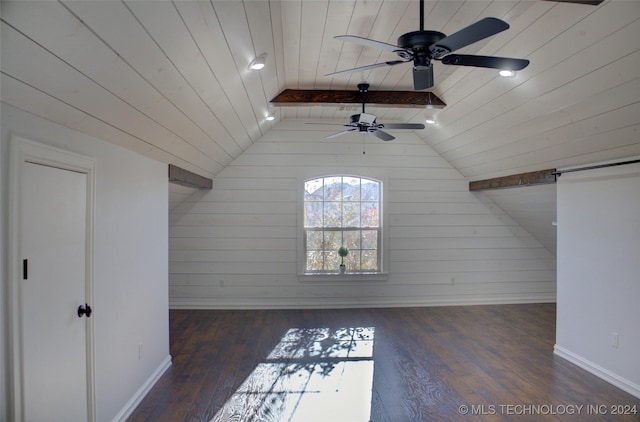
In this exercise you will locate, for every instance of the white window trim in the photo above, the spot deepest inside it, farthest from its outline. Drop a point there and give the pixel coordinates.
(343, 277)
(381, 275)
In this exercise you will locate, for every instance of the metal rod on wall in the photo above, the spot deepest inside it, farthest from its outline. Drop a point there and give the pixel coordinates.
(559, 172)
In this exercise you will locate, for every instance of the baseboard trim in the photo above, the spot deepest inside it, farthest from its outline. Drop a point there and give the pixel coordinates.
(331, 303)
(131, 405)
(600, 372)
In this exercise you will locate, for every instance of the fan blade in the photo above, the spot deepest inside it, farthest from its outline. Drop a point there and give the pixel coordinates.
(382, 135)
(422, 77)
(362, 68)
(339, 133)
(413, 126)
(325, 124)
(491, 62)
(473, 33)
(370, 43)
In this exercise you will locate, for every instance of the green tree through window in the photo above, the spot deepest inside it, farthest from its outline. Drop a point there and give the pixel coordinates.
(342, 211)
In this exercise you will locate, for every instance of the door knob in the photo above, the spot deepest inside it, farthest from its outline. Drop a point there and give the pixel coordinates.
(84, 310)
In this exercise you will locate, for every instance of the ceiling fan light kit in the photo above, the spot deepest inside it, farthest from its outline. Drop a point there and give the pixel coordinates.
(507, 73)
(421, 47)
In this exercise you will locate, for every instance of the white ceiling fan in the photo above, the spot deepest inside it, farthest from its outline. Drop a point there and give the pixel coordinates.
(367, 123)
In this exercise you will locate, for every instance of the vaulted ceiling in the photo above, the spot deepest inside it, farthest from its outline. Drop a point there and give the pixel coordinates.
(170, 79)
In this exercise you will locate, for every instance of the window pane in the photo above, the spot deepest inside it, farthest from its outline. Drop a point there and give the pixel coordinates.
(370, 260)
(332, 188)
(352, 261)
(332, 241)
(369, 239)
(313, 190)
(314, 261)
(370, 190)
(351, 214)
(332, 214)
(352, 239)
(351, 189)
(313, 214)
(331, 261)
(370, 217)
(314, 240)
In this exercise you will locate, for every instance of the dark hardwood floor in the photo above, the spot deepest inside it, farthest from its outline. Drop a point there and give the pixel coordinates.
(429, 364)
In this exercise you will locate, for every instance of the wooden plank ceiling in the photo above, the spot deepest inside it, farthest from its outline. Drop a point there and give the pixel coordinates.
(170, 79)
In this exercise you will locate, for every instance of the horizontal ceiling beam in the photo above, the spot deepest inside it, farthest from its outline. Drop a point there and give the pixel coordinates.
(310, 97)
(187, 178)
(515, 180)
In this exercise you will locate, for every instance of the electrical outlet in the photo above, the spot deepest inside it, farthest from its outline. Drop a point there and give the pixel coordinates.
(615, 340)
(140, 351)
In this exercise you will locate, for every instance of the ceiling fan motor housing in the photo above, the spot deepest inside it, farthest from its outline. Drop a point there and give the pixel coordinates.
(419, 39)
(419, 42)
(363, 119)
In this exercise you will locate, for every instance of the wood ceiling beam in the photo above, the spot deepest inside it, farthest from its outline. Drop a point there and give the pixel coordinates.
(515, 180)
(310, 97)
(187, 178)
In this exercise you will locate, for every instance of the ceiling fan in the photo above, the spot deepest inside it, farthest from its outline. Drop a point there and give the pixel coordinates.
(421, 47)
(366, 123)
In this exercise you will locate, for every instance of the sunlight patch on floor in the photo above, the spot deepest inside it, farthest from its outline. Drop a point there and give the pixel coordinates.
(312, 375)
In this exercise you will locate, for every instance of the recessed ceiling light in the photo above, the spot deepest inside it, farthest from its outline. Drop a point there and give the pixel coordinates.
(270, 117)
(507, 73)
(259, 62)
(430, 121)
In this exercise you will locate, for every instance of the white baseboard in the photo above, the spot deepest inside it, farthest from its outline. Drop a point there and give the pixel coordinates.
(341, 303)
(131, 405)
(598, 371)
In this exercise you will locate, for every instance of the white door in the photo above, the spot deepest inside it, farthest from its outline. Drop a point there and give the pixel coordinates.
(54, 340)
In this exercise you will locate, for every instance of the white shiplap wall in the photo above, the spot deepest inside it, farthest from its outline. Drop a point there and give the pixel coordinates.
(236, 246)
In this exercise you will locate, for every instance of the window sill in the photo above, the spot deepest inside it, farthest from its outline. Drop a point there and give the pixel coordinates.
(343, 277)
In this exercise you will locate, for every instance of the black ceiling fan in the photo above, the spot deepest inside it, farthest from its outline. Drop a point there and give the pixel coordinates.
(366, 123)
(421, 47)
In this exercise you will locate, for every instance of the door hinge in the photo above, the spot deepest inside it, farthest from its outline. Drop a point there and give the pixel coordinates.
(25, 269)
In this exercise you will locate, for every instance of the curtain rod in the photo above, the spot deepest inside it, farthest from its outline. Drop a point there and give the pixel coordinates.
(559, 172)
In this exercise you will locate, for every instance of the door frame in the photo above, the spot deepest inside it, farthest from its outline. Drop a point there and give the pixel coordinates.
(22, 151)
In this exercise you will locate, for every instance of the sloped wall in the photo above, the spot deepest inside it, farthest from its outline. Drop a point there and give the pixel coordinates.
(237, 245)
(533, 207)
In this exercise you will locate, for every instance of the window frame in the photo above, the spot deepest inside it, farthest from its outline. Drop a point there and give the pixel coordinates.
(330, 275)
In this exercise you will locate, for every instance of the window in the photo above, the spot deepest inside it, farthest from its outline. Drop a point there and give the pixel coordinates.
(342, 211)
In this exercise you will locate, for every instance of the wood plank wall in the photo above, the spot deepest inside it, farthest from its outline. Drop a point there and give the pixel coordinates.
(236, 246)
